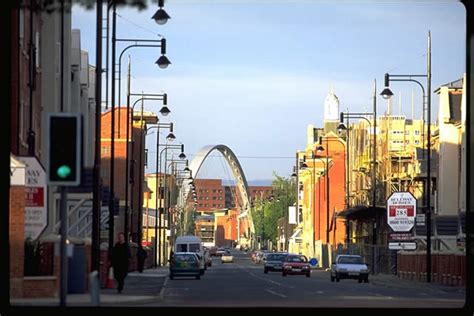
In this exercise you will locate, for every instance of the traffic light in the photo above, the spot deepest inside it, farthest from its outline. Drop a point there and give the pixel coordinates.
(64, 148)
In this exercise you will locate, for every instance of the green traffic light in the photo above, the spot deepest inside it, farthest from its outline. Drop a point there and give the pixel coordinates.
(63, 171)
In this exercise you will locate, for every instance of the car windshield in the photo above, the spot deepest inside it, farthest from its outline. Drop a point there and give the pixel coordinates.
(354, 260)
(184, 258)
(276, 257)
(296, 259)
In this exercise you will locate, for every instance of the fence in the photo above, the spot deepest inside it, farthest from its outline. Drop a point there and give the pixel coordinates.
(446, 268)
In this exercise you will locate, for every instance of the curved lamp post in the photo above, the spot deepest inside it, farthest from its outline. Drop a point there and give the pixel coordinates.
(387, 94)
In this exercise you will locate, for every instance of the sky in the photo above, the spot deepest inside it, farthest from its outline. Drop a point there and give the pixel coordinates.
(253, 75)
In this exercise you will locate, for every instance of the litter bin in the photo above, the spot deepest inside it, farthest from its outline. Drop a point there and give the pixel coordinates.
(76, 276)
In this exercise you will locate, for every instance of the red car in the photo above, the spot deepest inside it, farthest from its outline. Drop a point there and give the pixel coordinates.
(296, 264)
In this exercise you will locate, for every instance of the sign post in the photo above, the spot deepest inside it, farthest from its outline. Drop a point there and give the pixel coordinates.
(401, 213)
(36, 203)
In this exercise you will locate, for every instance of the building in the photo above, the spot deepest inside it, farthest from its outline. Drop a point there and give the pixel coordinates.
(211, 195)
(321, 166)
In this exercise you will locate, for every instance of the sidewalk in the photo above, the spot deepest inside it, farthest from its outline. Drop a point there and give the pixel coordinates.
(138, 288)
(394, 281)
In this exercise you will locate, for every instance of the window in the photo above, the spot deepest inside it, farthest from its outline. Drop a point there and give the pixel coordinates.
(214, 191)
(214, 198)
(417, 132)
(417, 142)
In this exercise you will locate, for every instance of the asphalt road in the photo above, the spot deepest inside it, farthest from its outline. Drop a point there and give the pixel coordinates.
(243, 284)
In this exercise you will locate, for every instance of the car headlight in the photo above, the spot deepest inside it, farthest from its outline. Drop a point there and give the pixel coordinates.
(364, 270)
(342, 270)
(287, 267)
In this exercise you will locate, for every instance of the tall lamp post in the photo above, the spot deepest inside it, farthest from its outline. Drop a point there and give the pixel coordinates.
(165, 200)
(313, 208)
(387, 94)
(374, 162)
(164, 111)
(160, 19)
(170, 137)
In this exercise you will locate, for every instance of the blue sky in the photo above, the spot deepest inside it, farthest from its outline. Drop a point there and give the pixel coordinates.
(253, 74)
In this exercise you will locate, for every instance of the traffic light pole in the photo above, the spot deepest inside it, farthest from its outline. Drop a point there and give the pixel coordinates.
(63, 214)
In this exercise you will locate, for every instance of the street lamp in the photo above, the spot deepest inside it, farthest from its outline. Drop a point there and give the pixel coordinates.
(374, 165)
(313, 174)
(387, 93)
(161, 17)
(157, 216)
(165, 200)
(144, 97)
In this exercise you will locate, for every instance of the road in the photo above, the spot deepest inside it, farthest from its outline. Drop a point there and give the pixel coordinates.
(243, 284)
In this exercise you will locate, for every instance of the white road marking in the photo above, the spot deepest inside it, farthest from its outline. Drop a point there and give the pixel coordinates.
(275, 293)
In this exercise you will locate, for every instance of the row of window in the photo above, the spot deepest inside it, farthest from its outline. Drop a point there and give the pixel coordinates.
(213, 205)
(417, 132)
(417, 142)
(207, 198)
(207, 191)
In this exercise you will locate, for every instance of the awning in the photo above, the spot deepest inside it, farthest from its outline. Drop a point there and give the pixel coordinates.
(361, 212)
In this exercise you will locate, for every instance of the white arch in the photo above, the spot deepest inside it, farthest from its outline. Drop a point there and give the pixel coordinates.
(237, 171)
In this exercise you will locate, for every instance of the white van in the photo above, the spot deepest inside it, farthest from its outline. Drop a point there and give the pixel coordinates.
(191, 243)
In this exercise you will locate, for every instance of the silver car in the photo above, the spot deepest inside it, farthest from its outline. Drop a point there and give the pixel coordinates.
(349, 267)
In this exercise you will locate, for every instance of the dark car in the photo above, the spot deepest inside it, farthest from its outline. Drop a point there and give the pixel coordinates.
(274, 262)
(185, 264)
(296, 264)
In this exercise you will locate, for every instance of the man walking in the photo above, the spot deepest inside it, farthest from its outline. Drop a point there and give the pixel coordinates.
(120, 260)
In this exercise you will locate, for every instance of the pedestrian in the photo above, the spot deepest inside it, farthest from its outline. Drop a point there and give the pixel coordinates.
(120, 260)
(171, 256)
(141, 256)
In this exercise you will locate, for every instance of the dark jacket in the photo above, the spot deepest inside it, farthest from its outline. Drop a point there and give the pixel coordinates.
(120, 256)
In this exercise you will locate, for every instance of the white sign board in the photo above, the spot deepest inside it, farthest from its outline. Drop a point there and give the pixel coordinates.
(401, 211)
(402, 245)
(292, 215)
(17, 172)
(36, 210)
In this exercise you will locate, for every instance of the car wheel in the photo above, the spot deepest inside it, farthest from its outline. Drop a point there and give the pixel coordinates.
(265, 271)
(337, 278)
(332, 278)
(171, 277)
(205, 267)
(366, 280)
(201, 272)
(360, 280)
(198, 277)
(284, 274)
(308, 275)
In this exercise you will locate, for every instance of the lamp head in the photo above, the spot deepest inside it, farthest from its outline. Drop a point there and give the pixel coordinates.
(161, 17)
(165, 110)
(163, 62)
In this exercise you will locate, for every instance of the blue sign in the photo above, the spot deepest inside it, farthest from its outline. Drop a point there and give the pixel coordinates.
(313, 262)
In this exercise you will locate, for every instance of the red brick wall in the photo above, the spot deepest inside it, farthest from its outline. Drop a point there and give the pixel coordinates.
(449, 269)
(35, 287)
(17, 237)
(213, 186)
(337, 193)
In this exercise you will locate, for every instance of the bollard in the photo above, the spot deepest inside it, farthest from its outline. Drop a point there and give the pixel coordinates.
(94, 288)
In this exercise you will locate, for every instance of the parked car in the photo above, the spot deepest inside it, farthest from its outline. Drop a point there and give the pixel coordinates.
(185, 264)
(349, 267)
(296, 264)
(227, 257)
(220, 252)
(274, 262)
(207, 258)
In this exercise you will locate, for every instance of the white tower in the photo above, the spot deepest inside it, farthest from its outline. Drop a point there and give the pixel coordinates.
(331, 112)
